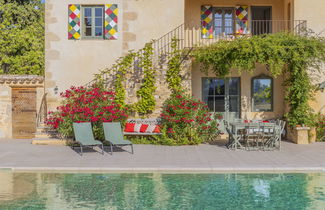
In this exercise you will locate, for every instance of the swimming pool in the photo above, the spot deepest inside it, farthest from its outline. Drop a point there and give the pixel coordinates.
(161, 191)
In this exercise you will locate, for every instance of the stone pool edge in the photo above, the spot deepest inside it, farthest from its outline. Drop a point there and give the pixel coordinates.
(162, 170)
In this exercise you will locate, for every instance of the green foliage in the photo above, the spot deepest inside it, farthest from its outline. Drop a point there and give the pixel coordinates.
(187, 121)
(320, 127)
(173, 76)
(21, 37)
(298, 56)
(147, 103)
(122, 67)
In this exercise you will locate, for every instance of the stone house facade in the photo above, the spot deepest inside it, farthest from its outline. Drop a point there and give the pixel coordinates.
(85, 36)
(75, 54)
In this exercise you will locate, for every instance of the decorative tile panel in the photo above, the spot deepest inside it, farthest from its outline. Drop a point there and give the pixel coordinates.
(111, 16)
(242, 19)
(206, 22)
(74, 21)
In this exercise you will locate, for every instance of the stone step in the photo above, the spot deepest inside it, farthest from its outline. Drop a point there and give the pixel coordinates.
(43, 135)
(49, 141)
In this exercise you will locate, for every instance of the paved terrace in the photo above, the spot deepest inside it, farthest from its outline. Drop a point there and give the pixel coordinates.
(22, 155)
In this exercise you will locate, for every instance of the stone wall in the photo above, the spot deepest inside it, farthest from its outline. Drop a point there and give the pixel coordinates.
(7, 82)
(134, 81)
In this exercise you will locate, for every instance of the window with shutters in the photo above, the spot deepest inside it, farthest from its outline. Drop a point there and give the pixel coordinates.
(92, 22)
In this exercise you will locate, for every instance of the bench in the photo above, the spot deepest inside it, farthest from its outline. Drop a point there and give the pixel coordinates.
(154, 121)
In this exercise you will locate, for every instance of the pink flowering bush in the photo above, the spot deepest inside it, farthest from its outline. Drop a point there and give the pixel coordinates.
(81, 104)
(187, 121)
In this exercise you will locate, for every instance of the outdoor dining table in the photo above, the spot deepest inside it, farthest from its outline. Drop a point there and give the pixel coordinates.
(240, 126)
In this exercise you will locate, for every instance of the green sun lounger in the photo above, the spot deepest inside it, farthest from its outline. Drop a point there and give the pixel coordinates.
(84, 135)
(113, 134)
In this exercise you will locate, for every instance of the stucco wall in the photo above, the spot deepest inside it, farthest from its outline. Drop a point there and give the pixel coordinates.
(315, 16)
(313, 11)
(71, 62)
(245, 80)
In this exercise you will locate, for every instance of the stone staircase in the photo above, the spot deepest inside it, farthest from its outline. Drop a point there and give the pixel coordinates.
(44, 135)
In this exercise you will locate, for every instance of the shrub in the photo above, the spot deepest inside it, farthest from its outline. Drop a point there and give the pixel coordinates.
(320, 127)
(81, 104)
(187, 121)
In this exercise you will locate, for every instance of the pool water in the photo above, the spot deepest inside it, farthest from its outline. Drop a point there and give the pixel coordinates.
(161, 191)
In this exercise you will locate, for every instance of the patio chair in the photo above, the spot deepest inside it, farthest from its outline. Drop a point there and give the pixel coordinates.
(282, 125)
(113, 134)
(252, 137)
(275, 138)
(231, 138)
(84, 136)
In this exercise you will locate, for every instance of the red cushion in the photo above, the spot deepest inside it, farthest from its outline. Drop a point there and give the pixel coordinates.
(157, 129)
(266, 121)
(143, 128)
(129, 127)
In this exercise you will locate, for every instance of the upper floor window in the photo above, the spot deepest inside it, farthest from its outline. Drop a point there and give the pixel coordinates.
(224, 23)
(92, 22)
(262, 94)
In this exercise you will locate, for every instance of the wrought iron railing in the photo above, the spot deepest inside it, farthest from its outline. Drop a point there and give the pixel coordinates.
(42, 112)
(190, 36)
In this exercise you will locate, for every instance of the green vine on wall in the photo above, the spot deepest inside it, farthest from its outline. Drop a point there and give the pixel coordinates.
(123, 65)
(146, 103)
(298, 57)
(173, 76)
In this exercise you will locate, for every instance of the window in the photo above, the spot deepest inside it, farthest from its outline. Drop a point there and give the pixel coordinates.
(214, 94)
(222, 95)
(93, 22)
(262, 94)
(223, 21)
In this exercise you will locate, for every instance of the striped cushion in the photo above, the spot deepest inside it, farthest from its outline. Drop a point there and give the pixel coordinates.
(141, 128)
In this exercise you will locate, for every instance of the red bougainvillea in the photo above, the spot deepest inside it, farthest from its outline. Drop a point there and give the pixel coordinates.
(81, 104)
(188, 120)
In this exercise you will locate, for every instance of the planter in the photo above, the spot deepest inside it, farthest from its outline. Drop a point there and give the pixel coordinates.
(299, 135)
(312, 135)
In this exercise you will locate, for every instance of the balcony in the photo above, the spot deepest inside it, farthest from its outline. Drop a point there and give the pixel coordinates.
(190, 36)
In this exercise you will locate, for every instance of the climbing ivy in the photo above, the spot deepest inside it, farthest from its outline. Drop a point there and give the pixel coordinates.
(121, 68)
(296, 56)
(146, 103)
(173, 76)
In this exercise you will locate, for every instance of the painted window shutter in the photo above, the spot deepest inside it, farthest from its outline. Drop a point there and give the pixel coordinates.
(111, 27)
(74, 21)
(242, 19)
(206, 22)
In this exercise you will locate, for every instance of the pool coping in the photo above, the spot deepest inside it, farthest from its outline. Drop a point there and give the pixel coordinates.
(162, 170)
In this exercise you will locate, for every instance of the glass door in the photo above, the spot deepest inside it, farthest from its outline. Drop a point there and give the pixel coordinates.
(222, 96)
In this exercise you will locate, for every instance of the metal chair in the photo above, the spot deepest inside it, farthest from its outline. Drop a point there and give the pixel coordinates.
(251, 137)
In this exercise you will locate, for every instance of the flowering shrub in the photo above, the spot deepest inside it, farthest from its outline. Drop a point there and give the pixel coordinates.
(320, 127)
(81, 104)
(188, 121)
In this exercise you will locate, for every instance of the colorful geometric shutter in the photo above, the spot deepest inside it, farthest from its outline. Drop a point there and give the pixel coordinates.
(242, 19)
(74, 21)
(111, 12)
(207, 22)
